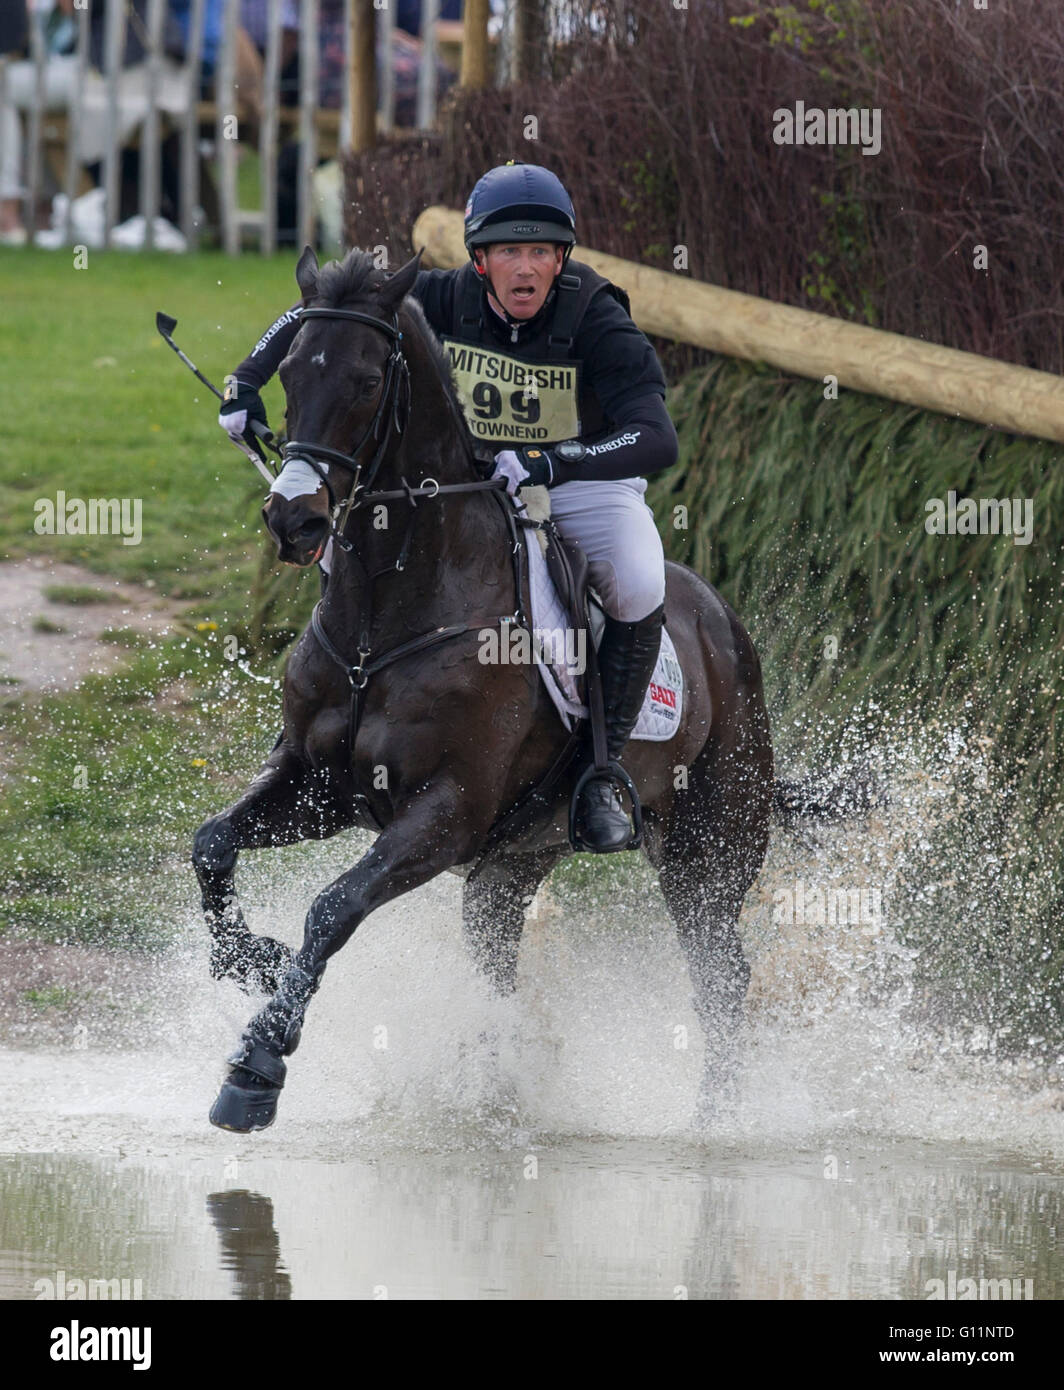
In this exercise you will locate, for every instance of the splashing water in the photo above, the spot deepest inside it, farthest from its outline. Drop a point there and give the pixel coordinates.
(601, 1038)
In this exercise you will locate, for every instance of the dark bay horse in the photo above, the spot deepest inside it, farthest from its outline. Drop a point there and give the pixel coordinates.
(444, 745)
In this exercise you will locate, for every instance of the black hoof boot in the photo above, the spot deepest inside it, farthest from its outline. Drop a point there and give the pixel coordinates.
(248, 1098)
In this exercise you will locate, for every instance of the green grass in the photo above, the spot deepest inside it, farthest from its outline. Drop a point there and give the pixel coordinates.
(101, 788)
(103, 408)
(110, 781)
(51, 997)
(43, 624)
(124, 637)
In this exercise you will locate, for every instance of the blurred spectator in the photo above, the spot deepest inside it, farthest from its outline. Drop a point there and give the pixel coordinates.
(405, 59)
(254, 15)
(408, 14)
(59, 78)
(14, 29)
(213, 24)
(332, 74)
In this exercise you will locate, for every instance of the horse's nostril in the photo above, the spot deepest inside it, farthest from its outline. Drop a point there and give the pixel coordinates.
(310, 534)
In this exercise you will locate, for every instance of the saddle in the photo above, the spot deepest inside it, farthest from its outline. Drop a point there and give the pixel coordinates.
(568, 570)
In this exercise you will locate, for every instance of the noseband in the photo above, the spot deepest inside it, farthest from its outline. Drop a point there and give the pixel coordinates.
(390, 417)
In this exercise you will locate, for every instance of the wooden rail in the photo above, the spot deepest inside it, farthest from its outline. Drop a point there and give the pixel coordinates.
(1018, 399)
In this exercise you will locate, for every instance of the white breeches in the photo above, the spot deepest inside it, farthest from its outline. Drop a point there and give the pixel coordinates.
(616, 530)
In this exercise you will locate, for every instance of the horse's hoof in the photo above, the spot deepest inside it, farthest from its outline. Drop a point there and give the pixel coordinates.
(248, 1098)
(242, 1109)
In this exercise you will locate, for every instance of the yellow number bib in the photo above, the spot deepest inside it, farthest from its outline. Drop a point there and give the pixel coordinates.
(507, 401)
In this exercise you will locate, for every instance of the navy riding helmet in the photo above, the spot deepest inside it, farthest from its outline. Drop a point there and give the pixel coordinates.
(519, 202)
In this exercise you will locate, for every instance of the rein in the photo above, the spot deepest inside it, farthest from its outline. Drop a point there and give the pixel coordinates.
(394, 409)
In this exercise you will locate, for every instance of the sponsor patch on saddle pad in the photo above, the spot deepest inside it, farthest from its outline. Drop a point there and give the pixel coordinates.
(560, 661)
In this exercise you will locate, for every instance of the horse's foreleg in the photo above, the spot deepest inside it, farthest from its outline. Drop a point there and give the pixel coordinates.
(286, 802)
(416, 846)
(496, 895)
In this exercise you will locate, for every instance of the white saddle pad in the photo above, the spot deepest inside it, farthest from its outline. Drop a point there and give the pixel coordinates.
(560, 662)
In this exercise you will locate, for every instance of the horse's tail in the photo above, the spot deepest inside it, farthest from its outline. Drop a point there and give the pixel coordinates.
(814, 798)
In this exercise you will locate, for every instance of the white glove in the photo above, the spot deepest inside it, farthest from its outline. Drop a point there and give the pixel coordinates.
(234, 424)
(510, 467)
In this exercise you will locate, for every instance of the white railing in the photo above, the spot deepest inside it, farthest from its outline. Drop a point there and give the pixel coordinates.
(109, 109)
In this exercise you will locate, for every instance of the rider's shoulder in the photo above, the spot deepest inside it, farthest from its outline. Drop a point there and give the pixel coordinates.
(608, 307)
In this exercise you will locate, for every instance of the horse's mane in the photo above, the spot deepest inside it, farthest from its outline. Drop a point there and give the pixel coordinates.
(355, 278)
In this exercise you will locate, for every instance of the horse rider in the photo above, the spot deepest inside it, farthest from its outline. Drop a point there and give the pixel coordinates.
(591, 430)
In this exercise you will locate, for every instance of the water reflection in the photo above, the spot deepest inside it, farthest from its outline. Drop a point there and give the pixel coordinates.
(250, 1247)
(582, 1220)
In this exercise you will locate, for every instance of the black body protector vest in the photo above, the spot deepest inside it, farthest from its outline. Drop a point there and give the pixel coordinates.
(534, 393)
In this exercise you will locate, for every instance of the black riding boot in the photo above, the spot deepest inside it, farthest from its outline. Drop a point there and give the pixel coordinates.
(626, 659)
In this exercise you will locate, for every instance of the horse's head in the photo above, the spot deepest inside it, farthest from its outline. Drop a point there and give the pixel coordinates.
(340, 380)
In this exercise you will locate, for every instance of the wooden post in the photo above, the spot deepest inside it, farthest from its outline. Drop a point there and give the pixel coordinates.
(73, 164)
(225, 133)
(149, 131)
(386, 94)
(943, 379)
(190, 152)
(426, 74)
(530, 38)
(476, 71)
(114, 35)
(271, 100)
(362, 74)
(306, 218)
(33, 171)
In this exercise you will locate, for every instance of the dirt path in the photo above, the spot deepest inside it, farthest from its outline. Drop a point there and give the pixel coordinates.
(71, 995)
(50, 645)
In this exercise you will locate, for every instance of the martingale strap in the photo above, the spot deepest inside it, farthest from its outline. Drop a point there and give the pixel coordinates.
(359, 672)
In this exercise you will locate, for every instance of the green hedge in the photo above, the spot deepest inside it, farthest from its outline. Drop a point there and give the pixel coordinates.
(809, 515)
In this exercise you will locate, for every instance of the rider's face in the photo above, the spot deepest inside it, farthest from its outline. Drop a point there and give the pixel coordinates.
(522, 274)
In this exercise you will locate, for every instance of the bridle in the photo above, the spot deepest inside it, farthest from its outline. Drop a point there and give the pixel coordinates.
(390, 417)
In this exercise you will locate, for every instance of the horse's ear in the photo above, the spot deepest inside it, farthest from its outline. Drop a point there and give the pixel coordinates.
(307, 273)
(396, 288)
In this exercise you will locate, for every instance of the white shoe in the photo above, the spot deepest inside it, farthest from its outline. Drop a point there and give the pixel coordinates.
(17, 236)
